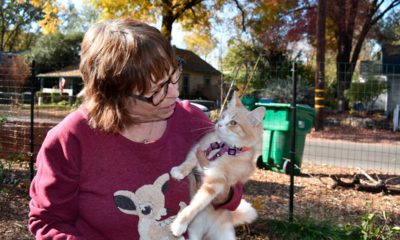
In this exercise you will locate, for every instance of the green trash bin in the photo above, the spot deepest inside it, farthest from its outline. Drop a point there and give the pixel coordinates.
(249, 102)
(278, 133)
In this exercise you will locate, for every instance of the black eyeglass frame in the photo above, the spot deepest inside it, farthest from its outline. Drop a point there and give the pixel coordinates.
(164, 87)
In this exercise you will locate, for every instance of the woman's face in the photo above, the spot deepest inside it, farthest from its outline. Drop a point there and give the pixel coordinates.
(146, 111)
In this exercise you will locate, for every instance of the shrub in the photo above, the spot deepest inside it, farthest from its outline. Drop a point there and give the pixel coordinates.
(365, 92)
(378, 226)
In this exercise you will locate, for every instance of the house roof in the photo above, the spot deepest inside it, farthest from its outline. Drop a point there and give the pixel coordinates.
(62, 73)
(193, 63)
(8, 55)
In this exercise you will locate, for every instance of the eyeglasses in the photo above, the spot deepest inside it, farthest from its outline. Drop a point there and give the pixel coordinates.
(159, 95)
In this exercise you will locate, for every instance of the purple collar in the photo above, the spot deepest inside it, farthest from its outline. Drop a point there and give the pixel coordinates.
(223, 148)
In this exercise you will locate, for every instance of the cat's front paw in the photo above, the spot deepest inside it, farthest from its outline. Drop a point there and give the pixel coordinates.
(178, 228)
(176, 173)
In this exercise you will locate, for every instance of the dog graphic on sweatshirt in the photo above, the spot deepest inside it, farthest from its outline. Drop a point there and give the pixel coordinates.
(148, 204)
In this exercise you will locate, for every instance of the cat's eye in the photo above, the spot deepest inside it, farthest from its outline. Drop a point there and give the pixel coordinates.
(232, 122)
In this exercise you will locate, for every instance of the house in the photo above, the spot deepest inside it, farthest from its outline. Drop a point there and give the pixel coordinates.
(386, 69)
(200, 80)
(391, 69)
(8, 55)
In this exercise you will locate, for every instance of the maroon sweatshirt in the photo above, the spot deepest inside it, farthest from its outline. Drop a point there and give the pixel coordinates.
(95, 185)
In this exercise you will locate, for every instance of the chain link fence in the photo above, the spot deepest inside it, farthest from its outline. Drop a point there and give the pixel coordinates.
(358, 140)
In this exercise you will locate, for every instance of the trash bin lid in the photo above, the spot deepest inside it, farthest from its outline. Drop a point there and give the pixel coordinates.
(303, 108)
(273, 105)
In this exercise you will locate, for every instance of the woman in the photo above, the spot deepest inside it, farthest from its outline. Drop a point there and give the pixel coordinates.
(103, 172)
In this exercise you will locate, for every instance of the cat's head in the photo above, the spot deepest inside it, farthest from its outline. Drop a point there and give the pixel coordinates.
(239, 126)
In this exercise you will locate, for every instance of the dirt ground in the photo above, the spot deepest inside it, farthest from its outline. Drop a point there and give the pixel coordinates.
(267, 190)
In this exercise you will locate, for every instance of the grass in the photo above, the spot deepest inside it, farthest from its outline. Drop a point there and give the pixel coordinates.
(373, 226)
(299, 229)
(310, 229)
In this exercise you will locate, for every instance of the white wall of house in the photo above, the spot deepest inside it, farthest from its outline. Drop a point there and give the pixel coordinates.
(394, 92)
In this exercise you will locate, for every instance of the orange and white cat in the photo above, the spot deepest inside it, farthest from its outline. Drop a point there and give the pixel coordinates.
(234, 147)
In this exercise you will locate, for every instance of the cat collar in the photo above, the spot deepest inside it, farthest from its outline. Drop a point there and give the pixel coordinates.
(223, 149)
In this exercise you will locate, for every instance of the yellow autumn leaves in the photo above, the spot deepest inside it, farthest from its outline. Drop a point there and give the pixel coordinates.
(50, 8)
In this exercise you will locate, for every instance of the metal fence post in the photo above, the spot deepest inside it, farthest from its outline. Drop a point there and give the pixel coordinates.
(293, 143)
(32, 140)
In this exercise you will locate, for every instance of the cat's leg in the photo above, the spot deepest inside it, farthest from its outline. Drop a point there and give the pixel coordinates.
(207, 192)
(181, 171)
(200, 225)
(220, 231)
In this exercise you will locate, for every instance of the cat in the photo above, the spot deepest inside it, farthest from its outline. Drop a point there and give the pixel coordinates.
(232, 149)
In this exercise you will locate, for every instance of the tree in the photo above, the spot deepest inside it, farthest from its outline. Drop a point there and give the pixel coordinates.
(55, 51)
(387, 33)
(14, 73)
(191, 14)
(349, 23)
(271, 23)
(348, 15)
(49, 9)
(77, 21)
(266, 72)
(16, 21)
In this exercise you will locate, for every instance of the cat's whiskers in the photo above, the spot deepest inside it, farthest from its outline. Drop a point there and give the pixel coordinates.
(203, 128)
(204, 121)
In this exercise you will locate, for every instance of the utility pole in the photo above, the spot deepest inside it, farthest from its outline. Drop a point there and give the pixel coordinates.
(319, 98)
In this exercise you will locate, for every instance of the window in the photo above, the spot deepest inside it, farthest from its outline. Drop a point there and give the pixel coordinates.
(207, 80)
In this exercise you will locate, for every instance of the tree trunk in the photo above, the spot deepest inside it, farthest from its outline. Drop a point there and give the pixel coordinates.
(166, 27)
(345, 19)
(173, 12)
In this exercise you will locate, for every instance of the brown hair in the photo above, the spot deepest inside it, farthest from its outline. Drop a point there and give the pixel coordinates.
(118, 56)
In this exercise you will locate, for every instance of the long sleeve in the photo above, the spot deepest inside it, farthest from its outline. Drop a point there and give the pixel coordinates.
(234, 198)
(54, 190)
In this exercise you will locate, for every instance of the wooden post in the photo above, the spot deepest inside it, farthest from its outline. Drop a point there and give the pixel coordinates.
(319, 97)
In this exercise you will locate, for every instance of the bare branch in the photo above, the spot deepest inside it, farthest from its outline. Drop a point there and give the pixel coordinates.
(367, 175)
(243, 13)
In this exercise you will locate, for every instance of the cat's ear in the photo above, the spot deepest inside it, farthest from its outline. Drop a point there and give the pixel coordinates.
(256, 116)
(235, 101)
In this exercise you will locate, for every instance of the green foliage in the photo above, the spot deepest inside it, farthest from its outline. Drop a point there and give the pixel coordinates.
(16, 20)
(365, 92)
(281, 91)
(77, 20)
(3, 119)
(378, 226)
(55, 51)
(269, 73)
(371, 226)
(194, 16)
(53, 98)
